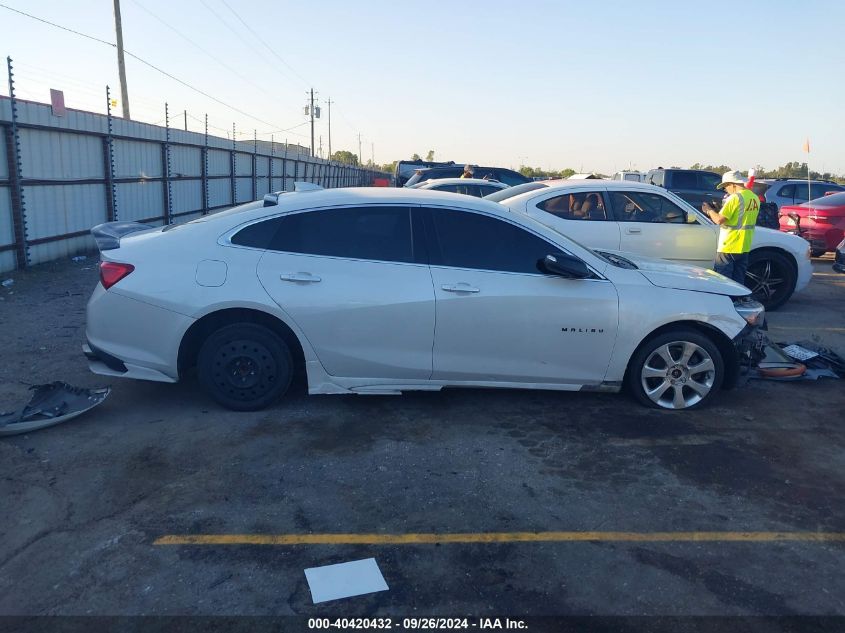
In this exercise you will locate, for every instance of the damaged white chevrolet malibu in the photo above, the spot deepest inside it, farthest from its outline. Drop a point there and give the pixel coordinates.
(380, 291)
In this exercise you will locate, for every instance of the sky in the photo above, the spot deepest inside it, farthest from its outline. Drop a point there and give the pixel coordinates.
(592, 86)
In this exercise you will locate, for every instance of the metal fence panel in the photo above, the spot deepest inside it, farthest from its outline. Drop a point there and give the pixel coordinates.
(187, 196)
(244, 190)
(219, 192)
(140, 200)
(7, 231)
(137, 159)
(49, 155)
(53, 210)
(243, 163)
(219, 163)
(185, 161)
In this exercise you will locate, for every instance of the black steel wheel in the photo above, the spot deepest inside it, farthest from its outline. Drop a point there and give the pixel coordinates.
(771, 277)
(245, 366)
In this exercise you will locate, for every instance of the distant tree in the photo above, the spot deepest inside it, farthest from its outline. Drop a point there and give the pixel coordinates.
(416, 157)
(345, 157)
(537, 172)
(721, 169)
(390, 168)
(430, 156)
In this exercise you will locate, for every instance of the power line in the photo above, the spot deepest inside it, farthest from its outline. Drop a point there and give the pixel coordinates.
(204, 51)
(247, 42)
(143, 61)
(266, 45)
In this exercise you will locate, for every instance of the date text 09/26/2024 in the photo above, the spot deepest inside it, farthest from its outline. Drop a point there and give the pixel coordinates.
(431, 624)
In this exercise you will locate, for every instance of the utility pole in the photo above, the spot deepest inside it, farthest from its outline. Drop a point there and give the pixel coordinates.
(329, 103)
(321, 145)
(373, 154)
(311, 110)
(330, 128)
(121, 65)
(360, 157)
(185, 114)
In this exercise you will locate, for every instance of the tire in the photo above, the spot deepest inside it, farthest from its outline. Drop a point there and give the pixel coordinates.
(245, 366)
(664, 369)
(771, 278)
(817, 252)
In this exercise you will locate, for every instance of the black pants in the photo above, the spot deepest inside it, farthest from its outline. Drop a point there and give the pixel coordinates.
(732, 265)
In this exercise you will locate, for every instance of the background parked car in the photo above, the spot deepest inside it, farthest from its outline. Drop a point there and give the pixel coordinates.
(693, 185)
(507, 176)
(406, 168)
(639, 218)
(630, 175)
(468, 186)
(789, 191)
(839, 258)
(822, 221)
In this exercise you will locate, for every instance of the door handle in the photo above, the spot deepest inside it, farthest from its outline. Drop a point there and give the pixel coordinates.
(301, 277)
(630, 231)
(461, 287)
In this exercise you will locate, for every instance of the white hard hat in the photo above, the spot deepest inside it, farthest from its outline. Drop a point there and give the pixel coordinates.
(731, 178)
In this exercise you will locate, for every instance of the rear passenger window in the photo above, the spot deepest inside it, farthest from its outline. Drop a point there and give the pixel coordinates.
(374, 233)
(576, 206)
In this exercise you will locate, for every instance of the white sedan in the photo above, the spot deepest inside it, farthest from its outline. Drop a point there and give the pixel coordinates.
(477, 187)
(648, 220)
(348, 284)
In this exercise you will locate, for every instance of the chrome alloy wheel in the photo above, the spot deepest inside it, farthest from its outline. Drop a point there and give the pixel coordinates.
(678, 375)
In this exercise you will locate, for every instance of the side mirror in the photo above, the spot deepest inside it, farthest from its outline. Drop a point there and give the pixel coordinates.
(565, 266)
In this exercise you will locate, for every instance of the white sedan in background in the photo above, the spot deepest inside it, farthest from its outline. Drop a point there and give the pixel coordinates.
(477, 187)
(647, 220)
(347, 285)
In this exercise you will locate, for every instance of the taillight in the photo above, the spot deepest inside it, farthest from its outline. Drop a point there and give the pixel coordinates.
(112, 272)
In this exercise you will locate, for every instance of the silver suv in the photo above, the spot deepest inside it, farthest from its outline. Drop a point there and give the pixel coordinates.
(786, 191)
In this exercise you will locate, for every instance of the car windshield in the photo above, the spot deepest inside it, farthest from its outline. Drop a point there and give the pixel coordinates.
(510, 192)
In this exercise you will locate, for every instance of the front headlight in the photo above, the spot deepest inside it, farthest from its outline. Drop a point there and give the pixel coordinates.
(752, 311)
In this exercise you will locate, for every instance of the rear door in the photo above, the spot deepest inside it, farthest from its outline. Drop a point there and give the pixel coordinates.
(578, 213)
(653, 225)
(500, 319)
(355, 282)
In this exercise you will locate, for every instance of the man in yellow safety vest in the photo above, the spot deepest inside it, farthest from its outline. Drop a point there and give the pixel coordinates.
(736, 219)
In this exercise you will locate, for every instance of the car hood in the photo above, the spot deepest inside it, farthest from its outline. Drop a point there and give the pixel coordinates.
(666, 274)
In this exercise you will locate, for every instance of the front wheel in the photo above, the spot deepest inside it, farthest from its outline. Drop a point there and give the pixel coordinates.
(245, 366)
(771, 278)
(680, 369)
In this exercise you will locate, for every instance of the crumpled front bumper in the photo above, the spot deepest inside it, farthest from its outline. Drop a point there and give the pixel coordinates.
(750, 345)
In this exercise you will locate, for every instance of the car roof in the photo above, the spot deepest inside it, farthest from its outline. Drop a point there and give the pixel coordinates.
(459, 181)
(576, 185)
(352, 196)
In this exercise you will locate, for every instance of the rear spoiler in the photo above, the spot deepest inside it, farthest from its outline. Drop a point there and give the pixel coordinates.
(108, 234)
(272, 199)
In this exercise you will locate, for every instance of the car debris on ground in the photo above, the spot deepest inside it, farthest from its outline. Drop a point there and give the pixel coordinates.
(51, 404)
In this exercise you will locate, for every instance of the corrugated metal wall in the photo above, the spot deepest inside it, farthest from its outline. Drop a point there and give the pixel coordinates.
(65, 176)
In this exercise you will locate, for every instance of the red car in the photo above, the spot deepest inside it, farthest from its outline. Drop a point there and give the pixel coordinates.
(822, 221)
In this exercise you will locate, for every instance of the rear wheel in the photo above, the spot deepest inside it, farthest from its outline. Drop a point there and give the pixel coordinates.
(681, 369)
(770, 277)
(245, 366)
(817, 252)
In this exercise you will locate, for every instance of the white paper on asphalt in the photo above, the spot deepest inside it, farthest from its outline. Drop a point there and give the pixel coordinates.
(344, 580)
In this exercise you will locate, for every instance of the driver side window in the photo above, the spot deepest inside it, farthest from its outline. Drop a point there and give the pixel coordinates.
(637, 206)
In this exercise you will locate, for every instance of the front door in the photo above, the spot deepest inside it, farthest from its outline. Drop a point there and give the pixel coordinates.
(500, 319)
(654, 226)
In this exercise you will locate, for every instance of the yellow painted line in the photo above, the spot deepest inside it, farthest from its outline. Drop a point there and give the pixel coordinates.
(495, 537)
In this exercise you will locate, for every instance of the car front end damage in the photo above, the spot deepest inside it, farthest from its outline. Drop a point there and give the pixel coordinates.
(750, 344)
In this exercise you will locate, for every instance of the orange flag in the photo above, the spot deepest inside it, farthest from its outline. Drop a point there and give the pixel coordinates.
(807, 146)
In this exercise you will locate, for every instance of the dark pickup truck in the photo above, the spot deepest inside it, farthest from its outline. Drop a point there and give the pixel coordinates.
(693, 185)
